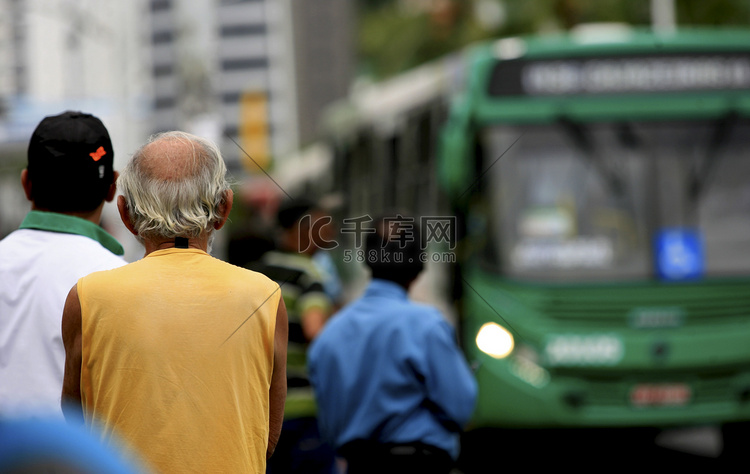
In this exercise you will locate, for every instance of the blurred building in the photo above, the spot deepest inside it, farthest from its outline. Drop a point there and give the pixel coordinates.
(55, 55)
(253, 75)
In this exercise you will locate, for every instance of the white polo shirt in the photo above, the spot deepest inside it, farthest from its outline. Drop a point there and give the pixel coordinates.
(39, 264)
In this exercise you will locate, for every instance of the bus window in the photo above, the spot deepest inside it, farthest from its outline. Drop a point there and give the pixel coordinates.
(556, 215)
(724, 208)
(585, 203)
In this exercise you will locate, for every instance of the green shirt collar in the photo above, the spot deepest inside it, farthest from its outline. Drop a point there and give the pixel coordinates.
(54, 222)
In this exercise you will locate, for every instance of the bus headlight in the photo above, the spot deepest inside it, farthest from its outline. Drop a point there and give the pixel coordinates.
(494, 340)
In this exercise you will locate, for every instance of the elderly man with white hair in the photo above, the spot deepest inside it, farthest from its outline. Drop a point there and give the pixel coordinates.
(179, 356)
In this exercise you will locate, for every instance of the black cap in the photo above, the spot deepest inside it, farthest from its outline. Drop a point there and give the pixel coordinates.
(70, 162)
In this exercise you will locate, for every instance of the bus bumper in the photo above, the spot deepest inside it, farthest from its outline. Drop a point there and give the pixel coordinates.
(516, 393)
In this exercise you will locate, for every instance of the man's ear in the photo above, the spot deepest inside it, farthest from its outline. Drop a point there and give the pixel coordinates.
(224, 209)
(112, 188)
(122, 207)
(26, 183)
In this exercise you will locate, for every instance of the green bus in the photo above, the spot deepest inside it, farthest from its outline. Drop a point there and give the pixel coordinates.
(597, 186)
(603, 182)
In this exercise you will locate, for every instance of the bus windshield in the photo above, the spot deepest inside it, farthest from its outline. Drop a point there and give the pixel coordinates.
(585, 201)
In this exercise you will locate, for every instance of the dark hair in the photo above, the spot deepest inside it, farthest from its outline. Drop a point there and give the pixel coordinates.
(394, 251)
(291, 210)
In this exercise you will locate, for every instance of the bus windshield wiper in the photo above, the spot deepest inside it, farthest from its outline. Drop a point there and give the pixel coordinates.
(702, 172)
(583, 142)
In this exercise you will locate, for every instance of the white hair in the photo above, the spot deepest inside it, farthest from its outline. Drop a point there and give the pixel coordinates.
(183, 204)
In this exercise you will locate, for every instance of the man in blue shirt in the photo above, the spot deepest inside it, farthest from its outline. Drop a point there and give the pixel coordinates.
(393, 388)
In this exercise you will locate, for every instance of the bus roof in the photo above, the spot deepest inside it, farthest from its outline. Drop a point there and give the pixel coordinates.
(616, 40)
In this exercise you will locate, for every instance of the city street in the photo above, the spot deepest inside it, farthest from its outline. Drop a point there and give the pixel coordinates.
(600, 450)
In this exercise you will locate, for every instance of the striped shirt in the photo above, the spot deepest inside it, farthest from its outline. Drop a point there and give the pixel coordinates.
(302, 289)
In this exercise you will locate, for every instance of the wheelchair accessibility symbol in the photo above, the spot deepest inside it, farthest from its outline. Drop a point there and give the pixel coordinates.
(679, 254)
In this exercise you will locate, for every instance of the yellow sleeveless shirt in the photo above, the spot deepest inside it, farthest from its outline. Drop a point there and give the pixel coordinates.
(177, 360)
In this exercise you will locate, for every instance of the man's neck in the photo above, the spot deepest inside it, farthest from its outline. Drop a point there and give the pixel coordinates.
(199, 243)
(94, 216)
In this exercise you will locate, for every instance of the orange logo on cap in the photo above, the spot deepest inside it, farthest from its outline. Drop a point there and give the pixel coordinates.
(97, 155)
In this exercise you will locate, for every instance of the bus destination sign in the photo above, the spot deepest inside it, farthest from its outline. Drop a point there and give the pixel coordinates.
(621, 75)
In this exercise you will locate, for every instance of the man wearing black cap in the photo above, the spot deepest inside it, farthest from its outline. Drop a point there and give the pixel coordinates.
(68, 178)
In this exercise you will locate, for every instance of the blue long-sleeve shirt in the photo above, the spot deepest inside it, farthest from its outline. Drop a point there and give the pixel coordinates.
(389, 370)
